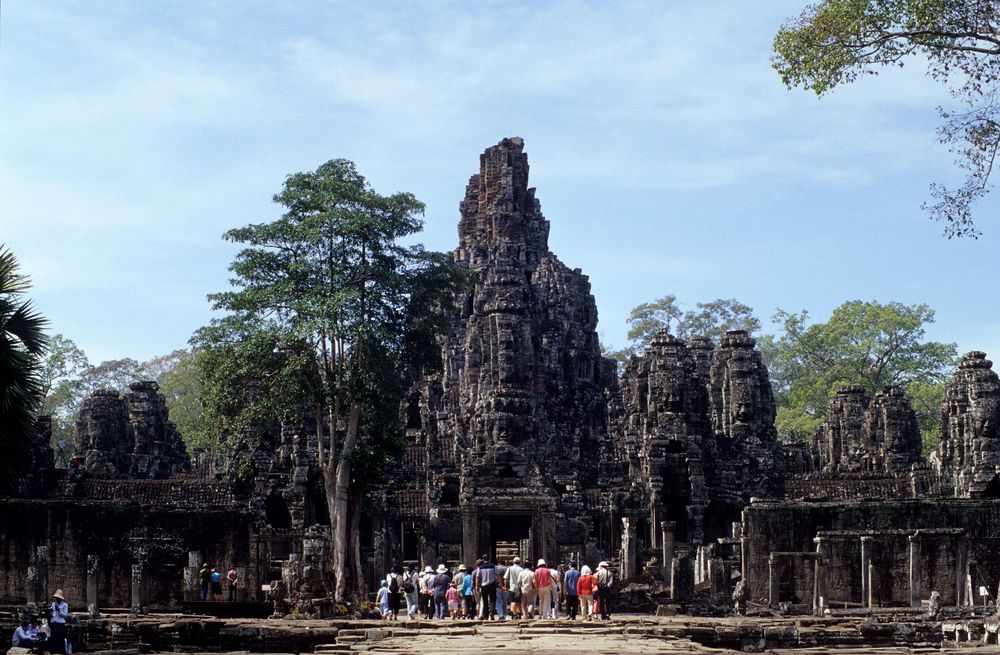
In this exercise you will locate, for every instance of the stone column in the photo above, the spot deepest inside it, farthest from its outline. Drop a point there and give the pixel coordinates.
(744, 550)
(241, 584)
(33, 596)
(667, 529)
(549, 546)
(772, 581)
(914, 540)
(191, 587)
(961, 563)
(866, 556)
(682, 579)
(696, 520)
(628, 548)
(718, 580)
(137, 575)
(871, 584)
(42, 590)
(655, 533)
(470, 536)
(93, 570)
(819, 580)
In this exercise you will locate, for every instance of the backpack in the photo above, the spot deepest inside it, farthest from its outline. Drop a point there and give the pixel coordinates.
(408, 584)
(394, 584)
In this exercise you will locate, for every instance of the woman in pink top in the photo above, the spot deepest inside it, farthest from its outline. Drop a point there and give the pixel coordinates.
(585, 590)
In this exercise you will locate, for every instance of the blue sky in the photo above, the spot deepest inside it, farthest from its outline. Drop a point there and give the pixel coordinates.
(667, 154)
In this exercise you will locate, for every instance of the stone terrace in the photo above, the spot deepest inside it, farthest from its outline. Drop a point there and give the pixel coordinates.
(883, 632)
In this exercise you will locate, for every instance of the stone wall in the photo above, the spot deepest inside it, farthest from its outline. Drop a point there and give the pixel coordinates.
(53, 538)
(955, 538)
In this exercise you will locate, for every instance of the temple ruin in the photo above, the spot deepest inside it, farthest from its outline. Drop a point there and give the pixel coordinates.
(528, 442)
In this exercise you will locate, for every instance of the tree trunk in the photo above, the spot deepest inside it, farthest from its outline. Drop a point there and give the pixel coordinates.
(357, 498)
(339, 506)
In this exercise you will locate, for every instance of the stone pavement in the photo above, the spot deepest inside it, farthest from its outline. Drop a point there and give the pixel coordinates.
(510, 638)
(124, 634)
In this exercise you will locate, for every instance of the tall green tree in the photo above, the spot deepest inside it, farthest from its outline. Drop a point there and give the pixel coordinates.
(22, 349)
(323, 310)
(711, 319)
(868, 344)
(181, 385)
(834, 42)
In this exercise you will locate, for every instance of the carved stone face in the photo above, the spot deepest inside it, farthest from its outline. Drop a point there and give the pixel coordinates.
(984, 399)
(743, 392)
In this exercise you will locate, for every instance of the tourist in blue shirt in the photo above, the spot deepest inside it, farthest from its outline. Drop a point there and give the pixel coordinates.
(570, 578)
(468, 595)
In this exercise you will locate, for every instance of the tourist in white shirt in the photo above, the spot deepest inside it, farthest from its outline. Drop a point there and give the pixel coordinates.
(25, 636)
(58, 613)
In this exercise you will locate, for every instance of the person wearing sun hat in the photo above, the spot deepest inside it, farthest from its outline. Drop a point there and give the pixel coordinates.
(604, 581)
(58, 611)
(441, 583)
(543, 587)
(426, 593)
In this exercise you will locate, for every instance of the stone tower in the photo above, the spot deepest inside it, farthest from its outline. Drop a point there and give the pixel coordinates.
(867, 436)
(518, 416)
(968, 457)
(131, 436)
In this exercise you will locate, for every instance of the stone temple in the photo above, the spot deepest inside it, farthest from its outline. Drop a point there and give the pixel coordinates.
(528, 442)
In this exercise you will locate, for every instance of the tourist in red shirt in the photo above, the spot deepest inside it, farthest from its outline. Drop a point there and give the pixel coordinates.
(543, 584)
(585, 587)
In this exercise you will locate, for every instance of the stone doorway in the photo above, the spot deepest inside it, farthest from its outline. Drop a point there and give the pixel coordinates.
(992, 490)
(510, 536)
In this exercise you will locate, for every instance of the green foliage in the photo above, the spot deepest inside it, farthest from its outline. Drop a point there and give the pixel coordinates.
(834, 42)
(250, 380)
(863, 343)
(22, 347)
(63, 361)
(181, 385)
(327, 310)
(712, 319)
(926, 398)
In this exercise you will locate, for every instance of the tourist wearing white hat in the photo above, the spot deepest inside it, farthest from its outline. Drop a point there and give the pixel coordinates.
(526, 580)
(585, 588)
(543, 586)
(58, 612)
(513, 576)
(440, 585)
(604, 582)
(426, 594)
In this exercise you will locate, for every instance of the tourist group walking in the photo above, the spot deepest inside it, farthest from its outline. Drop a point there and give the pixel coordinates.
(490, 590)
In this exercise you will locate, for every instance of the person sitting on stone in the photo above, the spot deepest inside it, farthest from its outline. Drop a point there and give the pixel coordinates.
(25, 635)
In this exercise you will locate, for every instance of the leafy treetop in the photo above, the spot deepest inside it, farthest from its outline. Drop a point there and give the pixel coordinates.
(836, 41)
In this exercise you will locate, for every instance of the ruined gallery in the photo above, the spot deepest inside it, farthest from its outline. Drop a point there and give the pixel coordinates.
(530, 443)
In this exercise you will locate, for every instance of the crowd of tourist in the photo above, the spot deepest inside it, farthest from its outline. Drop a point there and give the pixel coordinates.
(497, 591)
(50, 635)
